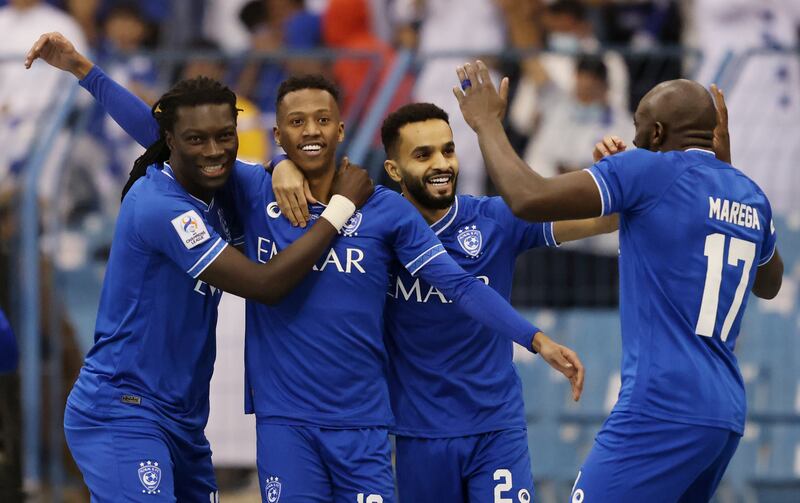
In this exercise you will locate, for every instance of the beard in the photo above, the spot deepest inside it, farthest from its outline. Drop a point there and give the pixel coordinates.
(418, 190)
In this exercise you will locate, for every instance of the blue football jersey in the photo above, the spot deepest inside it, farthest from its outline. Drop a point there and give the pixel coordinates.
(154, 346)
(448, 376)
(693, 231)
(318, 357)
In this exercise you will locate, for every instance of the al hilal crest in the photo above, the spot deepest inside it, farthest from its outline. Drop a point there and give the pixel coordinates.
(471, 240)
(273, 489)
(350, 228)
(150, 476)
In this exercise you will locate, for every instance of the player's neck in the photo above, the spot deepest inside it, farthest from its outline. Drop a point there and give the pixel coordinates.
(430, 215)
(321, 184)
(204, 195)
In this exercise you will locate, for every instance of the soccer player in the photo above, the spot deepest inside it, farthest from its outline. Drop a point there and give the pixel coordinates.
(135, 417)
(315, 361)
(454, 395)
(696, 236)
(457, 402)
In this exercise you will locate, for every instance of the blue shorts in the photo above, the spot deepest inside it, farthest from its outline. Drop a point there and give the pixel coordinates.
(306, 464)
(139, 460)
(492, 466)
(637, 458)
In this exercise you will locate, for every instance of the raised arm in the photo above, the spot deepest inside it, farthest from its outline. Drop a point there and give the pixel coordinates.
(529, 195)
(268, 283)
(127, 110)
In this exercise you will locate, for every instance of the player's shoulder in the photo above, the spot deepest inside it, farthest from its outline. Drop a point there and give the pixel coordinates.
(386, 197)
(157, 194)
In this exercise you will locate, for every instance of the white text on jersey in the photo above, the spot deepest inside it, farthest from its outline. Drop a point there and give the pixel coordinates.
(733, 212)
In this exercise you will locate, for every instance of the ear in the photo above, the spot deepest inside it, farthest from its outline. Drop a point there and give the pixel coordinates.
(276, 135)
(341, 132)
(658, 136)
(170, 140)
(392, 170)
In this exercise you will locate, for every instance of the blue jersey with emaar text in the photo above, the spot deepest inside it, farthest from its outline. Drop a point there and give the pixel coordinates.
(693, 231)
(445, 379)
(318, 357)
(154, 344)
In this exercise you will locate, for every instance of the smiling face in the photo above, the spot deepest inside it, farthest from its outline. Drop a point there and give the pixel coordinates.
(309, 129)
(425, 163)
(203, 145)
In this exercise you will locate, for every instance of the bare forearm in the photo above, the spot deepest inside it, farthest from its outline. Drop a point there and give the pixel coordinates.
(269, 283)
(513, 178)
(529, 195)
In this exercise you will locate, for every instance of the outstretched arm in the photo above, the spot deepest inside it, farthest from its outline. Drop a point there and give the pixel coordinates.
(127, 110)
(529, 195)
(487, 307)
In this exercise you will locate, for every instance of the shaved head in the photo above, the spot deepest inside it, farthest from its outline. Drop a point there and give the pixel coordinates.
(675, 115)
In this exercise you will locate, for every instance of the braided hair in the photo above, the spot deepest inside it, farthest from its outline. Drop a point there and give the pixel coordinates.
(186, 93)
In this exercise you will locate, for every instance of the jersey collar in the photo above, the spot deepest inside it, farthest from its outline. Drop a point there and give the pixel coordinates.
(448, 218)
(167, 170)
(696, 149)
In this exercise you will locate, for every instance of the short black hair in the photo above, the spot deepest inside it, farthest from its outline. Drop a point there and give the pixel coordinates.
(407, 114)
(310, 81)
(593, 65)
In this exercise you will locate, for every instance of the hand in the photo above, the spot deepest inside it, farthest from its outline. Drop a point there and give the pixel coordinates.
(722, 138)
(562, 359)
(292, 192)
(58, 51)
(480, 103)
(353, 183)
(609, 146)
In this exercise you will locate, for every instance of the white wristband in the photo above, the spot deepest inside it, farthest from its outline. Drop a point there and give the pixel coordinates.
(339, 211)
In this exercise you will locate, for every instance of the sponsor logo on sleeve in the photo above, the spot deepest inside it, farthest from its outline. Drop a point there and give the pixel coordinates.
(191, 229)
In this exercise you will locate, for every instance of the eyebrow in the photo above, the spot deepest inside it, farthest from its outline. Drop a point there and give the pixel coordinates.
(319, 110)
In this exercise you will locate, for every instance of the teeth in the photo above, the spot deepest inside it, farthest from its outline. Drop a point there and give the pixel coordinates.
(311, 148)
(211, 169)
(439, 180)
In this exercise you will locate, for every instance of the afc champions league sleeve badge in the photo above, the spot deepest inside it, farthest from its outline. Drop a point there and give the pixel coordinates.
(471, 240)
(272, 489)
(150, 476)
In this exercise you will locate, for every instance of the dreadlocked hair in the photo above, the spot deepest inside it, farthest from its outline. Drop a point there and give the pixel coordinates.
(186, 93)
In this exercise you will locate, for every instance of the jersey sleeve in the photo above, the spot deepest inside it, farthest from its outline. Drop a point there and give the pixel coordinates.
(414, 243)
(523, 235)
(631, 181)
(770, 239)
(9, 354)
(131, 113)
(175, 228)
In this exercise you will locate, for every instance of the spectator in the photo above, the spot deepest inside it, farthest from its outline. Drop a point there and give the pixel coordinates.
(346, 25)
(125, 33)
(570, 123)
(568, 32)
(26, 94)
(762, 90)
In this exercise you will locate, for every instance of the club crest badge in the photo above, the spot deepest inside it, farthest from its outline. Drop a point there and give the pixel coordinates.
(273, 489)
(471, 240)
(150, 476)
(352, 225)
